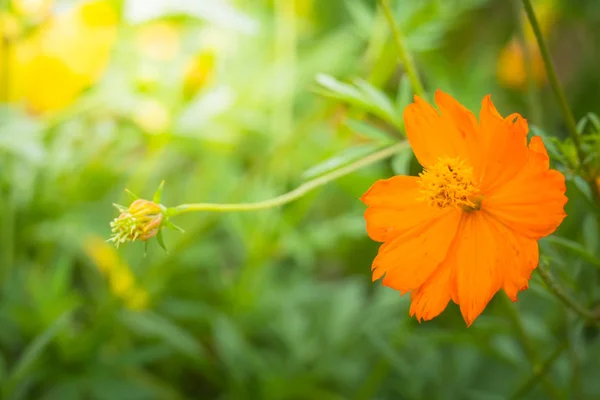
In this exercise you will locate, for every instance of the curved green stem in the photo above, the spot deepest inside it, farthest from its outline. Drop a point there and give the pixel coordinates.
(528, 346)
(532, 92)
(540, 372)
(562, 296)
(560, 96)
(294, 194)
(553, 79)
(403, 52)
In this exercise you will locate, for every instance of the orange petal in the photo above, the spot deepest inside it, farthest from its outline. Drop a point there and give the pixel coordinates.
(518, 256)
(398, 191)
(433, 135)
(408, 261)
(432, 297)
(503, 145)
(532, 203)
(394, 209)
(474, 258)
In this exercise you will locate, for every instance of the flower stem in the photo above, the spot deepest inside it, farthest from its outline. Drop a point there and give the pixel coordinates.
(528, 346)
(539, 372)
(296, 193)
(562, 296)
(403, 52)
(532, 92)
(553, 79)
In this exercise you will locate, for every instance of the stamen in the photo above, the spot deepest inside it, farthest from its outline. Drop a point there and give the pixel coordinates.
(449, 183)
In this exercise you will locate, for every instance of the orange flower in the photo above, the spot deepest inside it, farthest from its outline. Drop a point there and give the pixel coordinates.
(468, 225)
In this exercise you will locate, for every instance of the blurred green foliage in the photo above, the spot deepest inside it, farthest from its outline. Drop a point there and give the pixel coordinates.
(240, 101)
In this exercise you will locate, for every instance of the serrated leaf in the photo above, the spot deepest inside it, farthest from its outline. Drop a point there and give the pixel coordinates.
(551, 143)
(345, 157)
(368, 131)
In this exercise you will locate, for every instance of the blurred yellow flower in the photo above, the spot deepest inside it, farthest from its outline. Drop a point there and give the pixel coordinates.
(33, 8)
(120, 278)
(152, 116)
(512, 71)
(48, 69)
(159, 40)
(511, 67)
(199, 71)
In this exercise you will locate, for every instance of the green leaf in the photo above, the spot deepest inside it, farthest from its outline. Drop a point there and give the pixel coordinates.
(401, 162)
(575, 248)
(404, 95)
(582, 124)
(152, 325)
(345, 157)
(549, 141)
(379, 101)
(362, 95)
(33, 352)
(339, 89)
(594, 120)
(368, 131)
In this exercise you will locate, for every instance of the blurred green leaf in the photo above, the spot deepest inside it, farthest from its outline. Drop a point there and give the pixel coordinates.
(360, 94)
(34, 352)
(368, 131)
(345, 157)
(401, 162)
(152, 325)
(575, 248)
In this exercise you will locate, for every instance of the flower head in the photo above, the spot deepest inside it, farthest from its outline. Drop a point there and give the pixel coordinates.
(142, 220)
(468, 225)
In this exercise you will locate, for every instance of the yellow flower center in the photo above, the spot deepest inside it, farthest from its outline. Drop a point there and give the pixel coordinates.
(449, 183)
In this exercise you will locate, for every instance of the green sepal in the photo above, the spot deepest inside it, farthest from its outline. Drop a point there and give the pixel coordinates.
(161, 242)
(129, 192)
(120, 207)
(171, 225)
(158, 194)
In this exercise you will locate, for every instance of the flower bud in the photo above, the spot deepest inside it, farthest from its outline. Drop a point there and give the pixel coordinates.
(142, 220)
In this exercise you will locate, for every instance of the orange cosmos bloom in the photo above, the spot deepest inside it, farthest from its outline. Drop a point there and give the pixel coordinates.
(468, 225)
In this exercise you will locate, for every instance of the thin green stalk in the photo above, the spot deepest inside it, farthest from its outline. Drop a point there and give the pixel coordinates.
(539, 372)
(560, 97)
(553, 79)
(528, 346)
(403, 52)
(559, 292)
(296, 193)
(533, 97)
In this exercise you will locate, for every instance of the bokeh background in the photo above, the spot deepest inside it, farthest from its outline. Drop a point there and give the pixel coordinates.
(242, 100)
